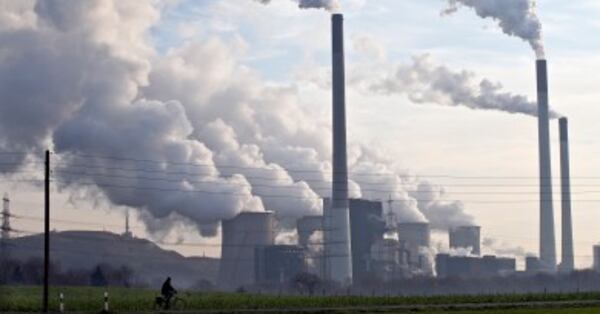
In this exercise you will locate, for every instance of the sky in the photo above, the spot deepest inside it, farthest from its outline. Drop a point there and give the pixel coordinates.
(485, 159)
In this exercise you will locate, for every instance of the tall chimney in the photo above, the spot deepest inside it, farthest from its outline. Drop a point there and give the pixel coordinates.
(340, 253)
(567, 259)
(547, 240)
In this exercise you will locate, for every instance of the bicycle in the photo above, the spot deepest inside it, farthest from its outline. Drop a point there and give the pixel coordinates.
(176, 303)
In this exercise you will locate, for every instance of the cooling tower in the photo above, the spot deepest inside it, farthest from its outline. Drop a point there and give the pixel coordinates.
(567, 259)
(466, 237)
(241, 235)
(339, 254)
(547, 239)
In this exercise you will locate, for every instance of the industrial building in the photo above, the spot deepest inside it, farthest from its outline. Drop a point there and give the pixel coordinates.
(389, 259)
(532, 265)
(415, 236)
(278, 264)
(241, 236)
(473, 267)
(366, 227)
(466, 237)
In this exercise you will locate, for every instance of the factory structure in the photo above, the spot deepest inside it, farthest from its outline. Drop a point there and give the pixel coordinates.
(250, 255)
(468, 237)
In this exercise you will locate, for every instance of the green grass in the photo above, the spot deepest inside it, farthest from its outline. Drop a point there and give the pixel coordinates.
(89, 299)
(589, 310)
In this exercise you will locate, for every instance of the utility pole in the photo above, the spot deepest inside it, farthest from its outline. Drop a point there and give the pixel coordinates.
(46, 229)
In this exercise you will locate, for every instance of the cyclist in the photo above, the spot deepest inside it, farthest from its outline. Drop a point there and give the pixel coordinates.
(167, 292)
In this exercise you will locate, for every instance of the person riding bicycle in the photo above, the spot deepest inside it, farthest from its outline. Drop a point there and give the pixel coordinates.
(167, 291)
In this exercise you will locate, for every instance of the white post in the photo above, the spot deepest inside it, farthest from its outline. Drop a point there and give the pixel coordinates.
(106, 301)
(61, 306)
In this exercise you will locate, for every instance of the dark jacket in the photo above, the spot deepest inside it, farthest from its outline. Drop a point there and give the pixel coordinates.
(167, 289)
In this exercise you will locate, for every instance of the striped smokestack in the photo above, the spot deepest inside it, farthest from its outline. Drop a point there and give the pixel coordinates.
(339, 253)
(547, 239)
(567, 258)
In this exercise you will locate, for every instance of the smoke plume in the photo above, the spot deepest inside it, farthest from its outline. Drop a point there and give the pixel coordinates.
(84, 79)
(502, 248)
(329, 5)
(442, 215)
(515, 18)
(423, 81)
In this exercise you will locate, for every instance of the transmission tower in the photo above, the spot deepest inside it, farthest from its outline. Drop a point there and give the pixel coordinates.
(127, 233)
(5, 229)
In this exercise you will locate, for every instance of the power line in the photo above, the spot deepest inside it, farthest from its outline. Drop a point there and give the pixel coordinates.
(290, 186)
(292, 170)
(140, 188)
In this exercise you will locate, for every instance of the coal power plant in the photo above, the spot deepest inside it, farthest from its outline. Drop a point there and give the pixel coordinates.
(252, 178)
(353, 240)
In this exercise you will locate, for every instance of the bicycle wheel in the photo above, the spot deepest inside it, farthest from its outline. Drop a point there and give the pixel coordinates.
(158, 303)
(178, 304)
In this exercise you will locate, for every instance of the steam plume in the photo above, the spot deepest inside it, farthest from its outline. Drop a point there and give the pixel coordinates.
(425, 82)
(515, 18)
(221, 137)
(442, 215)
(329, 5)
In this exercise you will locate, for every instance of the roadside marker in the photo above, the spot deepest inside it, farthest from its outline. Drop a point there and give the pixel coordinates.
(105, 301)
(61, 306)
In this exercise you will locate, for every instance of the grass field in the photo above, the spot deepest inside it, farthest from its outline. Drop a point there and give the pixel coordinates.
(89, 299)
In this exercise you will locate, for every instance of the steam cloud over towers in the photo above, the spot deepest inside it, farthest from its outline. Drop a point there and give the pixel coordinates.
(515, 18)
(547, 238)
(424, 81)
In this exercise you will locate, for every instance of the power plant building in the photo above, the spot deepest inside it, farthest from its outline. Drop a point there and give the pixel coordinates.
(278, 264)
(473, 267)
(467, 237)
(416, 236)
(532, 264)
(389, 259)
(242, 235)
(366, 226)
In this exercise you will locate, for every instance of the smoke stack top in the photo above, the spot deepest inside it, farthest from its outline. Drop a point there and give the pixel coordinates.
(337, 24)
(515, 18)
(563, 129)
